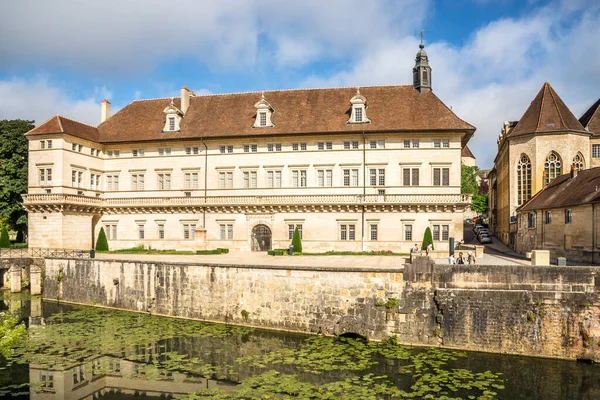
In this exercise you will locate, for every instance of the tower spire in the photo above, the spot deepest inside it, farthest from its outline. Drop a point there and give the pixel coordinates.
(422, 70)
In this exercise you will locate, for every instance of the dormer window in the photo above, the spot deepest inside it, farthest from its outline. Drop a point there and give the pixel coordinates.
(173, 118)
(358, 114)
(263, 113)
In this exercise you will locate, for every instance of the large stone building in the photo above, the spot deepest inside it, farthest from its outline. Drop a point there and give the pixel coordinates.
(535, 150)
(366, 168)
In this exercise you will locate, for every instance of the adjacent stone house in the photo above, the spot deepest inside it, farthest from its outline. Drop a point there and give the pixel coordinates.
(366, 168)
(564, 217)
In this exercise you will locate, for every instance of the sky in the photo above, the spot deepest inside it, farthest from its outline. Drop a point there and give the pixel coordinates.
(489, 58)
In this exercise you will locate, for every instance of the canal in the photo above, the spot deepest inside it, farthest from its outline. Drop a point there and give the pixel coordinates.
(77, 352)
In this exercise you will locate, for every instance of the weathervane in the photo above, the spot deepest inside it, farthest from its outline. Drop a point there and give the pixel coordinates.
(422, 45)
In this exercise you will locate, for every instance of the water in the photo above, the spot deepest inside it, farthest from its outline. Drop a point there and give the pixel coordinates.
(74, 352)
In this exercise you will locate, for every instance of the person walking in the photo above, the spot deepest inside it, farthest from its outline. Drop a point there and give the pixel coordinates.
(471, 258)
(460, 259)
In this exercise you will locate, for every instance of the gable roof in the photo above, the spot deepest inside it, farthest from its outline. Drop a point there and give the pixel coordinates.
(591, 118)
(466, 152)
(566, 191)
(298, 111)
(546, 113)
(60, 124)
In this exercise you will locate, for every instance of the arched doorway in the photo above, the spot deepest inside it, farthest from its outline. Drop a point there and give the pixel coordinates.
(261, 238)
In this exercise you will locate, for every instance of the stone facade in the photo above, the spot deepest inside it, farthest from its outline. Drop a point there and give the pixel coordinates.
(546, 311)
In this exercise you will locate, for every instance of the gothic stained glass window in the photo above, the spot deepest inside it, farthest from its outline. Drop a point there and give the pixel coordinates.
(524, 179)
(552, 168)
(579, 162)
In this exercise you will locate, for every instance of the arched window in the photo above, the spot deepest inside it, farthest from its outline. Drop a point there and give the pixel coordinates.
(524, 179)
(552, 167)
(579, 162)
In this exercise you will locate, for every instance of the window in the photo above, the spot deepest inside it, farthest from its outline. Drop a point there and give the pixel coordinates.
(49, 144)
(225, 180)
(437, 143)
(444, 229)
(161, 151)
(45, 175)
(269, 147)
(222, 149)
(189, 231)
(578, 162)
(137, 181)
(226, 231)
(407, 144)
(295, 146)
(373, 144)
(42, 144)
(273, 179)
(531, 220)
(171, 123)
(249, 179)
(291, 228)
(254, 148)
(112, 182)
(161, 230)
(415, 143)
(141, 233)
(47, 378)
(164, 181)
(347, 232)
(548, 217)
(373, 231)
(346, 145)
(250, 147)
(355, 145)
(263, 119)
(229, 149)
(408, 232)
(117, 153)
(303, 146)
(445, 143)
(111, 231)
(137, 152)
(441, 177)
(377, 176)
(320, 145)
(596, 150)
(246, 148)
(324, 177)
(552, 168)
(350, 177)
(358, 114)
(74, 146)
(77, 178)
(188, 150)
(95, 181)
(445, 232)
(523, 179)
(410, 176)
(568, 216)
(329, 145)
(436, 232)
(299, 178)
(277, 146)
(191, 180)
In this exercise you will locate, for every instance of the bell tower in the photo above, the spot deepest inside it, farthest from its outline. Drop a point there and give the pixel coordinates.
(422, 70)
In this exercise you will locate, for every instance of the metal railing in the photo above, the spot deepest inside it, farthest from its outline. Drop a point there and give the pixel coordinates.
(43, 253)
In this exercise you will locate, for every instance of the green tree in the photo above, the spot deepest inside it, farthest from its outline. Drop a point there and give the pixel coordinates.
(13, 171)
(427, 238)
(101, 242)
(479, 203)
(296, 241)
(4, 239)
(468, 182)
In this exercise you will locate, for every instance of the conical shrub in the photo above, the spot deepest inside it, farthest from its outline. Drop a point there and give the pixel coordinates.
(102, 243)
(4, 239)
(296, 241)
(427, 238)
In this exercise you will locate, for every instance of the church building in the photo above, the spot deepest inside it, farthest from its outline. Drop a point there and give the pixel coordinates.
(356, 169)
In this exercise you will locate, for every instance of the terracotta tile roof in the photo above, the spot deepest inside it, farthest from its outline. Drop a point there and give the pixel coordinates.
(547, 113)
(298, 111)
(466, 152)
(566, 191)
(59, 124)
(591, 118)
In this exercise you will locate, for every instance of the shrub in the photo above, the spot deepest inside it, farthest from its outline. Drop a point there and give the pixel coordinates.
(223, 250)
(101, 242)
(277, 252)
(297, 242)
(427, 238)
(215, 251)
(4, 239)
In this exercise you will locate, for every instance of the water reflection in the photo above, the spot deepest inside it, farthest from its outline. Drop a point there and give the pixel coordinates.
(90, 353)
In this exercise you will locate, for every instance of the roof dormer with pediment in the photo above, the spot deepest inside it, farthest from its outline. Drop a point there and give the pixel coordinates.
(263, 113)
(173, 116)
(358, 114)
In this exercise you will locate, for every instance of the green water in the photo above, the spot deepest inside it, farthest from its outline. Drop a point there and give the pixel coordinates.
(86, 352)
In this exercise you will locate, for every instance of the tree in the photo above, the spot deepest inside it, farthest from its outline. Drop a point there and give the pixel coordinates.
(102, 243)
(13, 171)
(296, 241)
(4, 239)
(427, 238)
(468, 181)
(479, 203)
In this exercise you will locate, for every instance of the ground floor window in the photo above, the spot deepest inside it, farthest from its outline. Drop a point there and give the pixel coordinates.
(347, 232)
(111, 231)
(189, 231)
(226, 231)
(408, 232)
(374, 232)
(161, 231)
(292, 228)
(441, 232)
(141, 233)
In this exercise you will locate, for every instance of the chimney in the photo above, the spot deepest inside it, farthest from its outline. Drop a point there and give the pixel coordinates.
(573, 171)
(104, 110)
(185, 98)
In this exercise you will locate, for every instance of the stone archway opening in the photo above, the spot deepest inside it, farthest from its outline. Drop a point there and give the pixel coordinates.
(261, 238)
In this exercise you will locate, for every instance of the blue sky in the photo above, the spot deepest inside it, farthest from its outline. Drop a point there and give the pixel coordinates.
(489, 58)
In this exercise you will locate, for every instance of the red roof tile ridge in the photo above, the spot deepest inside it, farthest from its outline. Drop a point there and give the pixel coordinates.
(544, 89)
(58, 117)
(74, 120)
(278, 90)
(45, 122)
(557, 109)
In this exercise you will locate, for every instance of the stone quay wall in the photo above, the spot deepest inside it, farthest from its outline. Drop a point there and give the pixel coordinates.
(541, 311)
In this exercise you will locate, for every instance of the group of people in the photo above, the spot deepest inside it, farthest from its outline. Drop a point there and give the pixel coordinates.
(461, 259)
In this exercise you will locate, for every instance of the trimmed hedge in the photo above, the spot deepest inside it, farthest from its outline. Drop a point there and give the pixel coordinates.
(4, 239)
(101, 242)
(277, 252)
(215, 251)
(296, 241)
